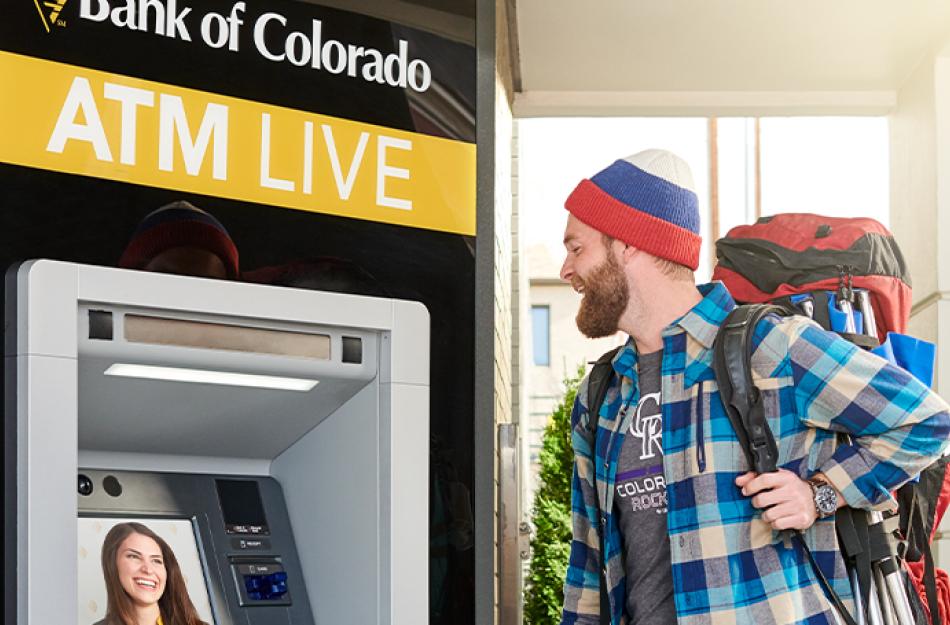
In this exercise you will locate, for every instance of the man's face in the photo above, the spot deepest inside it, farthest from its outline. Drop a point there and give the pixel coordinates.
(188, 261)
(593, 271)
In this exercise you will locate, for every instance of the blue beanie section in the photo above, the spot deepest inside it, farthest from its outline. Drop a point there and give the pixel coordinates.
(181, 210)
(650, 194)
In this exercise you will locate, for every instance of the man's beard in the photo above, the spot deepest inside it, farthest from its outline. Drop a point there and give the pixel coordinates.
(606, 296)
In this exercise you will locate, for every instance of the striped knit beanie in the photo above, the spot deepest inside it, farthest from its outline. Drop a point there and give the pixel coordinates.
(179, 224)
(647, 200)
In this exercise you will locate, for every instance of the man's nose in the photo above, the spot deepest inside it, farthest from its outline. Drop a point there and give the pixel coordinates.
(567, 269)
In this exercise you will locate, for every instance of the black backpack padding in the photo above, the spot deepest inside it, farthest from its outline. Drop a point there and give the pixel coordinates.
(598, 381)
(732, 352)
(917, 503)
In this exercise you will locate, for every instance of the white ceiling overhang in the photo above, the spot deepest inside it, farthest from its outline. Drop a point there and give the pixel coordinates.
(722, 57)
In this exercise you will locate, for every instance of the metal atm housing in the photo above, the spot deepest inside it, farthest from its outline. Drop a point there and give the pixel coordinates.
(349, 457)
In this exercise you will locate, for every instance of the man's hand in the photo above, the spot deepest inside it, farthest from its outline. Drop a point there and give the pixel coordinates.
(789, 499)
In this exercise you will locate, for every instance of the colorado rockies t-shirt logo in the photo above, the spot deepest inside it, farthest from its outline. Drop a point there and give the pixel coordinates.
(648, 426)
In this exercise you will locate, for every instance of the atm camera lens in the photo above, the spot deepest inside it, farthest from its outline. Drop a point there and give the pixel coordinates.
(85, 485)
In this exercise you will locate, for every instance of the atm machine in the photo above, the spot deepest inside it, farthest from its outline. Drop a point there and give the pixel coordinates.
(276, 439)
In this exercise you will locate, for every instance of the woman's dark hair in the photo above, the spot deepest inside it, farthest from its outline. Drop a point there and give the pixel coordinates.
(175, 605)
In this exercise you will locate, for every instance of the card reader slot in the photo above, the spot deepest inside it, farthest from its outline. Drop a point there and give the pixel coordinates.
(260, 581)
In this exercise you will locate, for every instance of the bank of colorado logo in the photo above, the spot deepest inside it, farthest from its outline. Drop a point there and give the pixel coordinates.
(50, 11)
(274, 37)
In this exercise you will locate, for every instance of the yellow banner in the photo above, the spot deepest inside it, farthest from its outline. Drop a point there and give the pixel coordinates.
(81, 121)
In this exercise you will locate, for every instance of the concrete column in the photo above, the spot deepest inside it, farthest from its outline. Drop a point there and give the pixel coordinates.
(920, 198)
(942, 232)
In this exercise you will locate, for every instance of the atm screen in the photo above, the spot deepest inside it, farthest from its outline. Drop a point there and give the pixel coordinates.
(139, 571)
(241, 506)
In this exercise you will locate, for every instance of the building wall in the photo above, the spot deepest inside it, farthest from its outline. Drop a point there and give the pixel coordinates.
(520, 350)
(508, 595)
(507, 513)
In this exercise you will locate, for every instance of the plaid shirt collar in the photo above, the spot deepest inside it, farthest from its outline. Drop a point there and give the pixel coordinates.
(700, 324)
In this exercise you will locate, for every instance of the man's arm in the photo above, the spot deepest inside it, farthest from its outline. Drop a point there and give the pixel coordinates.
(582, 583)
(898, 426)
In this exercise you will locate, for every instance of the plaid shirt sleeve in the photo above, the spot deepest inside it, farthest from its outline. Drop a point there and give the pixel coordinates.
(582, 583)
(897, 425)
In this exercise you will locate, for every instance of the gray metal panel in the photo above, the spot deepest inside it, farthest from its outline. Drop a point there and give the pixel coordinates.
(46, 496)
(42, 314)
(509, 519)
(157, 291)
(172, 463)
(331, 481)
(404, 496)
(45, 442)
(135, 415)
(484, 418)
(404, 354)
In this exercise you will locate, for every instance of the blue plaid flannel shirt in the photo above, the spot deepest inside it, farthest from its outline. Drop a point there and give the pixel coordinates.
(728, 565)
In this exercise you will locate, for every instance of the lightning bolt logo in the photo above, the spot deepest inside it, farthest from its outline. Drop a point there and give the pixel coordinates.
(55, 7)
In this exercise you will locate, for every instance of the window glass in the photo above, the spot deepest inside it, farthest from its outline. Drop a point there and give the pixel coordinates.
(541, 334)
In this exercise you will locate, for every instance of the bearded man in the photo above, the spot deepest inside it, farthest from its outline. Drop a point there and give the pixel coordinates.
(691, 536)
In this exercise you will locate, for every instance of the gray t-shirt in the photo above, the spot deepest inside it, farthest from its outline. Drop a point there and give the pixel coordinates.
(640, 505)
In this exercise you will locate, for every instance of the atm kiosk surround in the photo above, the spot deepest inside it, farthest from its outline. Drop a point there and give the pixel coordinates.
(289, 429)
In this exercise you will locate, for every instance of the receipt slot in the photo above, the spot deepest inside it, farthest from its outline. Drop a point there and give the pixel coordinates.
(271, 443)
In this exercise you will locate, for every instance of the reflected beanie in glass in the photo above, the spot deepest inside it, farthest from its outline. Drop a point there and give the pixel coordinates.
(647, 200)
(179, 224)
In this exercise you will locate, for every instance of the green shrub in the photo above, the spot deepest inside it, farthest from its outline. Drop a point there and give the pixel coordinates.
(551, 516)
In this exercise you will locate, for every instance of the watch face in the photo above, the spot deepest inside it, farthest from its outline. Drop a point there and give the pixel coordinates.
(826, 500)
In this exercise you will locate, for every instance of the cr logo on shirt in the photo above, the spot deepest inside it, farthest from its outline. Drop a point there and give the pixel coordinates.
(648, 426)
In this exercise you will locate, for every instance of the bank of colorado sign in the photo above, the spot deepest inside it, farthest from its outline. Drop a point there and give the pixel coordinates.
(75, 119)
(300, 47)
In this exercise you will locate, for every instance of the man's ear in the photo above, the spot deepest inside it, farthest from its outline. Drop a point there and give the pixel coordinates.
(628, 253)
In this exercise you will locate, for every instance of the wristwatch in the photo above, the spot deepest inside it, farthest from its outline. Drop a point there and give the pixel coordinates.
(826, 499)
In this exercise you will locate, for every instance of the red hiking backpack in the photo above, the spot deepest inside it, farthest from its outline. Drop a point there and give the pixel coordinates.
(796, 253)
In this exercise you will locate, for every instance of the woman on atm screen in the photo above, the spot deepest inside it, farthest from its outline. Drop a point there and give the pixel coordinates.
(143, 580)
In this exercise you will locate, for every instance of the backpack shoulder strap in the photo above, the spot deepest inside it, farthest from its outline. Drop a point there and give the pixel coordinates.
(732, 355)
(598, 381)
